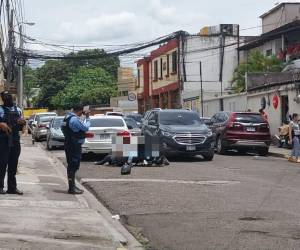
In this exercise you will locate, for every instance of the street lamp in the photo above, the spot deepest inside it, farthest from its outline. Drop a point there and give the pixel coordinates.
(21, 85)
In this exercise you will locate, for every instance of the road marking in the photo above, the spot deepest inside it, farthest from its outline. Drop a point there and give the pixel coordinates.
(210, 183)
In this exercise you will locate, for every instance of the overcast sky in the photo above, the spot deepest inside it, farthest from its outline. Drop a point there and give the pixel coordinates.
(126, 21)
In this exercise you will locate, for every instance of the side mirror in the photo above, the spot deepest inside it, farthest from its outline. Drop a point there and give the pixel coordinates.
(129, 127)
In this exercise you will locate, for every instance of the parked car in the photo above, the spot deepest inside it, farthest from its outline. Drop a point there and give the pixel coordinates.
(293, 66)
(29, 123)
(180, 131)
(40, 130)
(133, 126)
(206, 120)
(137, 117)
(55, 136)
(32, 122)
(99, 137)
(144, 118)
(242, 131)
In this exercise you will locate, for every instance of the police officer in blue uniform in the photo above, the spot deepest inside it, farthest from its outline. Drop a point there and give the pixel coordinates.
(74, 130)
(11, 123)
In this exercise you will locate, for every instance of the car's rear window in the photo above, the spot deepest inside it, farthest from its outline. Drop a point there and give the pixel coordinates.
(101, 122)
(180, 118)
(46, 119)
(57, 122)
(39, 117)
(250, 118)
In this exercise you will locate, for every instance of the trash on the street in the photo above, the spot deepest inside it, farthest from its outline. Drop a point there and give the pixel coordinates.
(115, 217)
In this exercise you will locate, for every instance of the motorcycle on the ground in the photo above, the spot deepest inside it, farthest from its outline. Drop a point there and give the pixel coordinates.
(282, 139)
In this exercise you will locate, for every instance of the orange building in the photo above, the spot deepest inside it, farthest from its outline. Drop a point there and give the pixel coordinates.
(158, 84)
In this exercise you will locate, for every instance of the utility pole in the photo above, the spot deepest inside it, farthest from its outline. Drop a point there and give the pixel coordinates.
(201, 87)
(21, 85)
(10, 66)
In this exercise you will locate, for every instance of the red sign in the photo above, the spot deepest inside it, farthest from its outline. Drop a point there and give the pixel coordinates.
(275, 101)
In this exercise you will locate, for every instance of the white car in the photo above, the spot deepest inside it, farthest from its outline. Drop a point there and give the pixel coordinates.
(99, 137)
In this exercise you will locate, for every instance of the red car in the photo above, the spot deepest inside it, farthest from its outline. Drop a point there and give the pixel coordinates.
(242, 131)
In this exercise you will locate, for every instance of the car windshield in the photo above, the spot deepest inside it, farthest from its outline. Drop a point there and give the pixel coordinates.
(102, 122)
(131, 122)
(249, 118)
(180, 118)
(57, 122)
(45, 119)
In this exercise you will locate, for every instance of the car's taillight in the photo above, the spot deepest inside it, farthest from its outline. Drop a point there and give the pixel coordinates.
(264, 127)
(89, 135)
(42, 125)
(231, 120)
(123, 133)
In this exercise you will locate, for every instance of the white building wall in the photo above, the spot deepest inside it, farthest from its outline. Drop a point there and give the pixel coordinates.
(196, 51)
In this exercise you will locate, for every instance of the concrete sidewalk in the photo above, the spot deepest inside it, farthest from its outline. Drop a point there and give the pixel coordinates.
(279, 152)
(46, 217)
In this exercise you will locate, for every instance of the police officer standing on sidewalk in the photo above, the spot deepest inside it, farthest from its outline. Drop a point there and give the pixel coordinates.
(74, 130)
(11, 123)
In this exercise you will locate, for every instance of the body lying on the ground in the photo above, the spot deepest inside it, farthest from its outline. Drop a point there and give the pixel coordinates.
(136, 161)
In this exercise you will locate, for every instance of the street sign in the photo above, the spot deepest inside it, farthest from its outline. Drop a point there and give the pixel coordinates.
(131, 96)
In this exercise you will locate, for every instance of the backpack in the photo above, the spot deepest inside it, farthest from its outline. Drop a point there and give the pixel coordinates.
(125, 169)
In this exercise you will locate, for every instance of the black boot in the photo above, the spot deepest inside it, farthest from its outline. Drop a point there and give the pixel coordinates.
(78, 189)
(72, 188)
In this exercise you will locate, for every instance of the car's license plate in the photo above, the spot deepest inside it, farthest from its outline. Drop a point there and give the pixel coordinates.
(250, 129)
(104, 136)
(190, 148)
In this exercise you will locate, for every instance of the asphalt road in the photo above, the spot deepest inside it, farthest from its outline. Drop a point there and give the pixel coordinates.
(233, 202)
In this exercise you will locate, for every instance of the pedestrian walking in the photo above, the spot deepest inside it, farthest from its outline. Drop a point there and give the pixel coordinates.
(74, 130)
(294, 134)
(11, 123)
(263, 114)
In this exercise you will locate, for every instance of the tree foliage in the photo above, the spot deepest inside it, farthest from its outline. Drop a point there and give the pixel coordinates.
(256, 63)
(61, 82)
(90, 85)
(30, 83)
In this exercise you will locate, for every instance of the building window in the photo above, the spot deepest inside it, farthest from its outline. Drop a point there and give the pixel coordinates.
(168, 65)
(174, 62)
(269, 52)
(161, 69)
(155, 71)
(138, 78)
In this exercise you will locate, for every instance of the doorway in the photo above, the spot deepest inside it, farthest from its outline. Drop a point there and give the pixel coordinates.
(285, 109)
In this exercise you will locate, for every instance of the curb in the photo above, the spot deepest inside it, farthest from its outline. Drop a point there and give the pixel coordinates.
(278, 155)
(118, 231)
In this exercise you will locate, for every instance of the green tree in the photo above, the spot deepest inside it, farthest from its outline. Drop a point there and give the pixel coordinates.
(89, 86)
(30, 84)
(109, 63)
(256, 63)
(52, 77)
